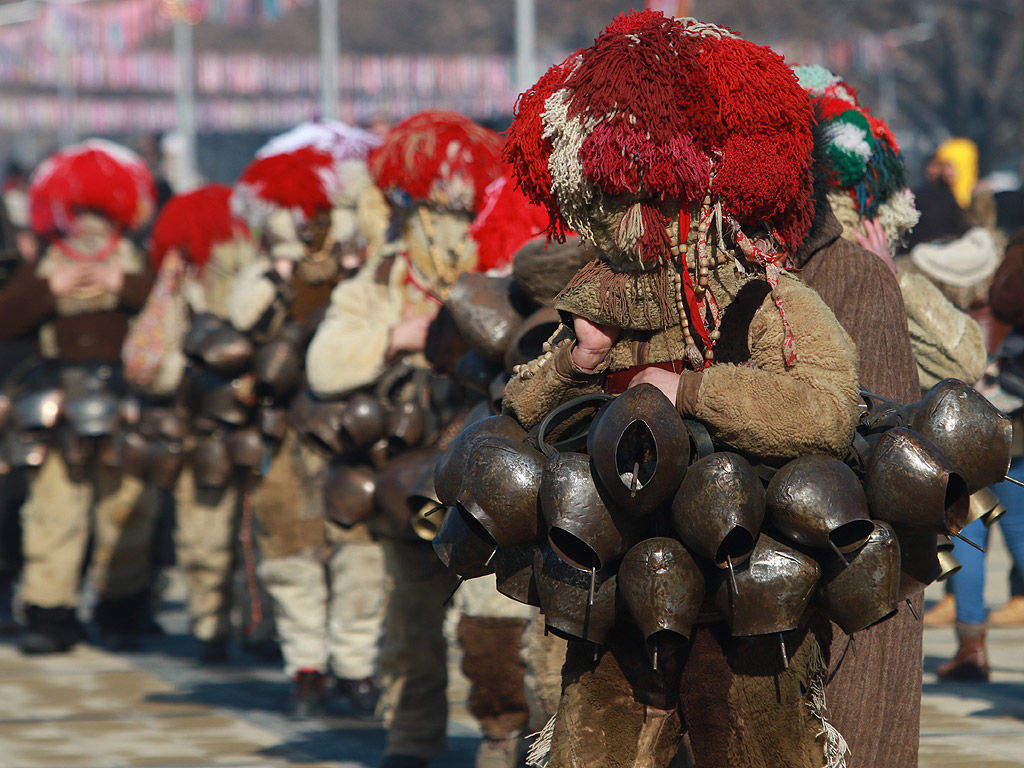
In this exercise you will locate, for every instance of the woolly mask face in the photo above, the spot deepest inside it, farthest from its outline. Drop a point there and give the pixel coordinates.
(435, 167)
(659, 114)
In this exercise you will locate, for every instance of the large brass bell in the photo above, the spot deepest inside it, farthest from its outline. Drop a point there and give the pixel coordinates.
(576, 603)
(484, 312)
(817, 501)
(527, 343)
(211, 462)
(277, 366)
(406, 425)
(361, 422)
(226, 352)
(348, 493)
(500, 490)
(919, 563)
(203, 324)
(910, 485)
(463, 546)
(864, 590)
(770, 592)
(968, 430)
(662, 587)
(451, 468)
(395, 483)
(639, 449)
(513, 572)
(718, 508)
(581, 528)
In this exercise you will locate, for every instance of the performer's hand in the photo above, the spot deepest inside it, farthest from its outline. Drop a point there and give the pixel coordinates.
(106, 277)
(666, 381)
(69, 278)
(875, 240)
(593, 342)
(410, 335)
(284, 267)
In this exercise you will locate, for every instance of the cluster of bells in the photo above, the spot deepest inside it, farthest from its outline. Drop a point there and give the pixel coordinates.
(382, 441)
(233, 399)
(616, 508)
(86, 408)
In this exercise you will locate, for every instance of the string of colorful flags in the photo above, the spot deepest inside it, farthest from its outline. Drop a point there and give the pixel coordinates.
(255, 73)
(124, 25)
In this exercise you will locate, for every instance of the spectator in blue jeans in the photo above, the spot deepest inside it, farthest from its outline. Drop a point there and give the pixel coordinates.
(971, 660)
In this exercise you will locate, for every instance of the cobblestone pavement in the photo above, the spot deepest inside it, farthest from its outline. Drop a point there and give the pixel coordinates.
(92, 709)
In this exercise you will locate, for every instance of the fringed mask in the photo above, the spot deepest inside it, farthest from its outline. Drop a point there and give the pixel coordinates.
(674, 146)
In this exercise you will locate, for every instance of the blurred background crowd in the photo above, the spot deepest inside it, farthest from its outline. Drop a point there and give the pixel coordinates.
(226, 232)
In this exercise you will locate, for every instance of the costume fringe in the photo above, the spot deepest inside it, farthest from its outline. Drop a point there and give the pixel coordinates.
(539, 753)
(621, 294)
(836, 748)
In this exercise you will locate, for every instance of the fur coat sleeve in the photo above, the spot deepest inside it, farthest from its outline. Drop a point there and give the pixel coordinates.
(548, 381)
(252, 293)
(772, 410)
(349, 348)
(947, 343)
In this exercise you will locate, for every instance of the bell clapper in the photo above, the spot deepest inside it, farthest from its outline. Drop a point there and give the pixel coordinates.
(913, 610)
(654, 656)
(782, 647)
(454, 590)
(593, 580)
(1014, 480)
(835, 549)
(432, 510)
(968, 541)
(489, 559)
(732, 575)
(636, 478)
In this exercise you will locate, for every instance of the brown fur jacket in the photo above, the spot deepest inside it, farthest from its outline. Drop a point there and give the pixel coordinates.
(763, 406)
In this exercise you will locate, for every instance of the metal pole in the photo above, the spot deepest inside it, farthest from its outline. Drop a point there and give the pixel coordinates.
(65, 94)
(184, 98)
(329, 51)
(526, 33)
(64, 43)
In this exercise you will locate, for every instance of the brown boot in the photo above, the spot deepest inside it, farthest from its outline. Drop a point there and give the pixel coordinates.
(942, 614)
(971, 660)
(1010, 615)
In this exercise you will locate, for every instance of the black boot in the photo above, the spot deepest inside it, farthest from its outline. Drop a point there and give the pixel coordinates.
(309, 695)
(50, 630)
(362, 694)
(124, 621)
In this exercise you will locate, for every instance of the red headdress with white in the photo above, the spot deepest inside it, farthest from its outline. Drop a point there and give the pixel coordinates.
(438, 157)
(194, 222)
(663, 123)
(96, 175)
(304, 181)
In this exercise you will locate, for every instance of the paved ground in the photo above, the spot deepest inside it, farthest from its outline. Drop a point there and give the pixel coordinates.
(91, 709)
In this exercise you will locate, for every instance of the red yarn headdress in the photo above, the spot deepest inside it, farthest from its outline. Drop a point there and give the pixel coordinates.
(438, 157)
(195, 222)
(304, 181)
(506, 223)
(668, 109)
(659, 114)
(95, 175)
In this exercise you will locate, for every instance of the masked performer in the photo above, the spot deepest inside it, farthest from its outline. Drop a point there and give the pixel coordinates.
(79, 297)
(320, 217)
